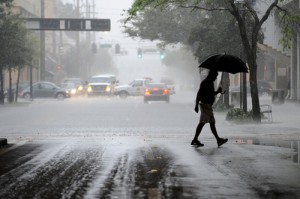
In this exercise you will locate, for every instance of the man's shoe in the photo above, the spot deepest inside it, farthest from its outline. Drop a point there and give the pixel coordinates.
(196, 143)
(222, 141)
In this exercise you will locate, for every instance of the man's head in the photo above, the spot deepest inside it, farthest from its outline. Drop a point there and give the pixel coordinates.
(212, 75)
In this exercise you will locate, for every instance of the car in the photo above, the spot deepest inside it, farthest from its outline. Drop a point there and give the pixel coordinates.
(102, 85)
(135, 88)
(170, 84)
(264, 88)
(44, 89)
(79, 84)
(21, 86)
(156, 92)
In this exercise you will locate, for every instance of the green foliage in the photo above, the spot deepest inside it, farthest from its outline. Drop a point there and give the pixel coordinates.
(4, 8)
(16, 50)
(13, 38)
(239, 116)
(289, 22)
(205, 33)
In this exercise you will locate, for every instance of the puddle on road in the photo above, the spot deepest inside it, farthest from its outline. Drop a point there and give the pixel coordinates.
(291, 144)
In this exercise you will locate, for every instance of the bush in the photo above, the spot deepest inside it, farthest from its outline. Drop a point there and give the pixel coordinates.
(238, 115)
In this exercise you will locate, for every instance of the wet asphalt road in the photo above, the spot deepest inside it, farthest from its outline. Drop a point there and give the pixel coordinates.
(111, 148)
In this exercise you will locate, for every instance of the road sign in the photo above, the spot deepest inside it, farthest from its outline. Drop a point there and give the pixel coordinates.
(68, 24)
(105, 45)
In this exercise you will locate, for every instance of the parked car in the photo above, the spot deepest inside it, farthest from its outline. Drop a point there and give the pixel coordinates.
(156, 92)
(135, 88)
(102, 85)
(22, 85)
(79, 84)
(170, 84)
(44, 90)
(264, 88)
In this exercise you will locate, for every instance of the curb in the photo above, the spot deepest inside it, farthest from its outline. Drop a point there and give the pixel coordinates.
(3, 142)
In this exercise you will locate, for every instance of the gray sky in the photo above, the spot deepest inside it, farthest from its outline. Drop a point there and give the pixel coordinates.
(110, 9)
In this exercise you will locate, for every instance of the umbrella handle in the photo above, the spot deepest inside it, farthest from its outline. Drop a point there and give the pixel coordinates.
(221, 82)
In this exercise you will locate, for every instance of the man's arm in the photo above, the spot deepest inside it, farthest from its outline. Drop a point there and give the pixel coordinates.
(197, 101)
(220, 90)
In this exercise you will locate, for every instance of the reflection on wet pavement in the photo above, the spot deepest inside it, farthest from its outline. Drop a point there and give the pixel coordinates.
(151, 174)
(291, 144)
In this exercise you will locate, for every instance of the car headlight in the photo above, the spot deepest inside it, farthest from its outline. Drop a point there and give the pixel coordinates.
(80, 88)
(89, 89)
(108, 89)
(73, 91)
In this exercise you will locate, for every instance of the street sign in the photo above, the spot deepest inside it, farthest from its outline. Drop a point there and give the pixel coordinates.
(68, 24)
(105, 45)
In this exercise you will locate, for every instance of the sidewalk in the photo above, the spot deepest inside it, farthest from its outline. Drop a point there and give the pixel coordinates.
(285, 123)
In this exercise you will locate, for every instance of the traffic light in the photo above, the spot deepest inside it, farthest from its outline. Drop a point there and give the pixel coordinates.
(117, 48)
(162, 55)
(139, 53)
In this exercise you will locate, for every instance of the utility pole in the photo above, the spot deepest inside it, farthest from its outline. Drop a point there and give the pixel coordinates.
(88, 12)
(94, 16)
(78, 67)
(88, 39)
(42, 44)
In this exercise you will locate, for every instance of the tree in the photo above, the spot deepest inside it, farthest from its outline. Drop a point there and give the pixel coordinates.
(195, 29)
(247, 18)
(4, 11)
(15, 51)
(199, 32)
(29, 57)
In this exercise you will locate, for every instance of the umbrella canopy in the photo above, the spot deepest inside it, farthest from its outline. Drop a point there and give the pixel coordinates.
(224, 63)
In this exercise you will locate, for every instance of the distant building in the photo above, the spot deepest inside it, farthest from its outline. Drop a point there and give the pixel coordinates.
(273, 61)
(294, 82)
(29, 9)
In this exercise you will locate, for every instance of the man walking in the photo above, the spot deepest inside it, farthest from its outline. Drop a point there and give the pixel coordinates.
(206, 96)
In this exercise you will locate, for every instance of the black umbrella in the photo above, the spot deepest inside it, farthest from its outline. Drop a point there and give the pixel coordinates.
(224, 63)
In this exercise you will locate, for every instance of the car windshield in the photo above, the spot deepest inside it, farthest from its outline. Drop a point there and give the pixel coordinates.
(74, 81)
(167, 81)
(68, 85)
(100, 80)
(151, 85)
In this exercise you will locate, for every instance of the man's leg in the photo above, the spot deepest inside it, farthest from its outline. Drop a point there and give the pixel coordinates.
(198, 130)
(220, 141)
(214, 130)
(195, 141)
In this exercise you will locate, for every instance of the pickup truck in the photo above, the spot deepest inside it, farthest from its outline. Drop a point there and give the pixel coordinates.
(135, 88)
(102, 85)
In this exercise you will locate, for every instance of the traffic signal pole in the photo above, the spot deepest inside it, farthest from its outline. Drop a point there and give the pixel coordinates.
(42, 44)
(78, 65)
